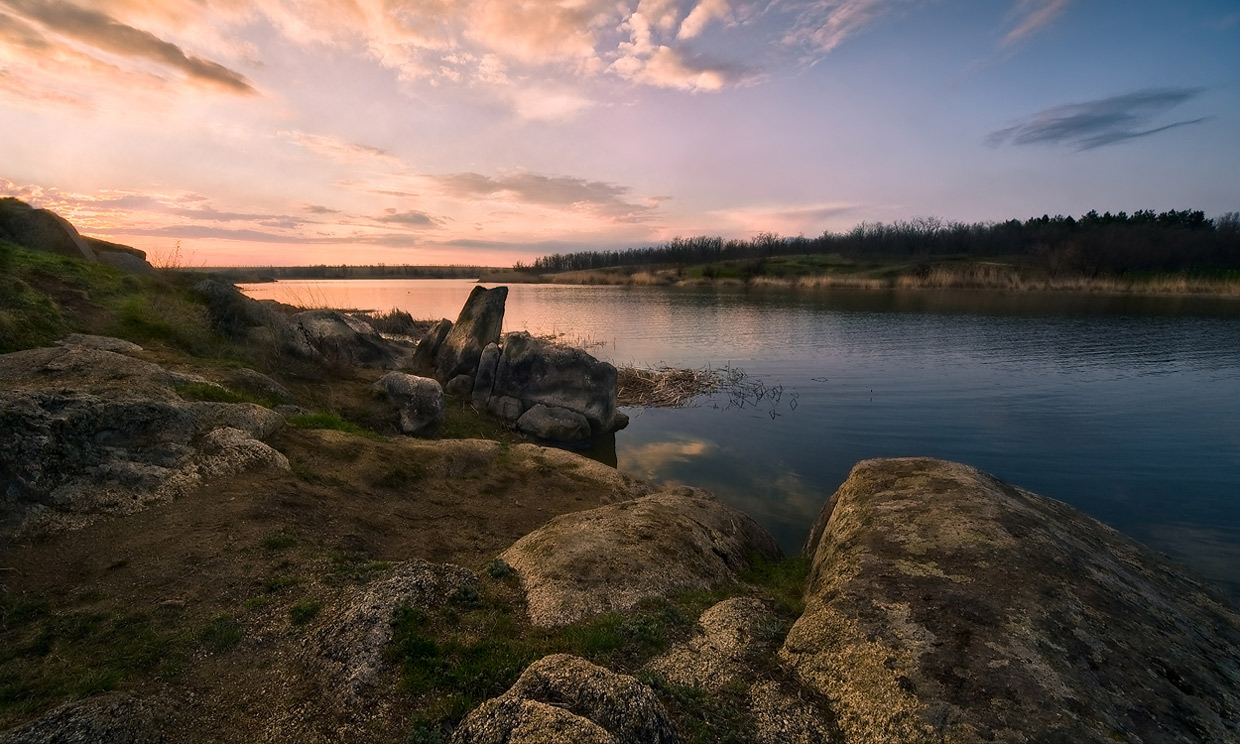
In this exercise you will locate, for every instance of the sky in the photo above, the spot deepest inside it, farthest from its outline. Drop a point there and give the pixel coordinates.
(484, 132)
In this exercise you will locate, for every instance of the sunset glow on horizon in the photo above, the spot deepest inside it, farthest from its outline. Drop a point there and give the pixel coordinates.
(483, 132)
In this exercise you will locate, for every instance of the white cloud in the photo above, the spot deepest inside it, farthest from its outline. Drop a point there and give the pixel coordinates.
(701, 16)
(1033, 16)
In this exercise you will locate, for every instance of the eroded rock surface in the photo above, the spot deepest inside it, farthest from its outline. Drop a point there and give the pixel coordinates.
(734, 632)
(353, 643)
(85, 432)
(945, 605)
(112, 719)
(604, 706)
(609, 558)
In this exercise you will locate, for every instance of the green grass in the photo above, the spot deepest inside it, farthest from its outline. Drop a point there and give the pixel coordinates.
(401, 475)
(49, 654)
(220, 635)
(784, 579)
(304, 611)
(330, 421)
(280, 540)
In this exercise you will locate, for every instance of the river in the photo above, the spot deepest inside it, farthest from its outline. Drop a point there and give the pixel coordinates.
(1127, 408)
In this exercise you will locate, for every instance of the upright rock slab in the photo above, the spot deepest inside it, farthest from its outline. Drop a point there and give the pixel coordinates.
(535, 371)
(610, 558)
(945, 605)
(479, 324)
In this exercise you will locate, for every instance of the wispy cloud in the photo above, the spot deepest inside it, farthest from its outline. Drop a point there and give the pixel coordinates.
(105, 33)
(1106, 121)
(336, 148)
(409, 218)
(822, 25)
(561, 192)
(1032, 16)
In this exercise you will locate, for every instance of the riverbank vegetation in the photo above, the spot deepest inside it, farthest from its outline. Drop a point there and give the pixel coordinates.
(1148, 252)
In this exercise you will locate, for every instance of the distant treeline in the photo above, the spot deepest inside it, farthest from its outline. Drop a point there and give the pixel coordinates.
(379, 271)
(1091, 245)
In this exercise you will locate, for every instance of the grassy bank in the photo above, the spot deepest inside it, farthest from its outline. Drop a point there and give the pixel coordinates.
(817, 272)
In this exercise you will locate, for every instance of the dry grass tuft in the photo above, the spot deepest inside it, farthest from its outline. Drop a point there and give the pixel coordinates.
(664, 387)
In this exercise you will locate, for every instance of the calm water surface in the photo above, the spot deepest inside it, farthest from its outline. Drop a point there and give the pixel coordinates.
(1127, 408)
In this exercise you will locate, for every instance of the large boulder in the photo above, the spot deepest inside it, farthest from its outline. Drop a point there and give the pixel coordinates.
(610, 558)
(534, 371)
(350, 341)
(564, 698)
(84, 431)
(554, 424)
(43, 230)
(246, 319)
(945, 605)
(479, 324)
(40, 229)
(418, 400)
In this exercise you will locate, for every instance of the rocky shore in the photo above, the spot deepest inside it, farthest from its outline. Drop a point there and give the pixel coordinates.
(288, 539)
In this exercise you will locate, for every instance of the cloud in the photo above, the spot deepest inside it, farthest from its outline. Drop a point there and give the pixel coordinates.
(1106, 121)
(822, 25)
(105, 33)
(319, 209)
(701, 16)
(1033, 16)
(411, 218)
(561, 192)
(338, 149)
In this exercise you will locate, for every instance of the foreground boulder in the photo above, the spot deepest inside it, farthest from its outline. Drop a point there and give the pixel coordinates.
(479, 324)
(352, 646)
(609, 558)
(535, 371)
(733, 633)
(418, 401)
(84, 431)
(562, 698)
(944, 605)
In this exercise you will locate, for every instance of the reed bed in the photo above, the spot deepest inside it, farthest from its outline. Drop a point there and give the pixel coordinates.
(669, 387)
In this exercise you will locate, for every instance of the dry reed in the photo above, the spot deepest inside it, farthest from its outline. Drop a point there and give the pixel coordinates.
(664, 387)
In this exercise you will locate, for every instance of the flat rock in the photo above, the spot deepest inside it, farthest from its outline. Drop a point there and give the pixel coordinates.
(606, 703)
(733, 632)
(353, 643)
(101, 343)
(945, 605)
(611, 557)
(109, 719)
